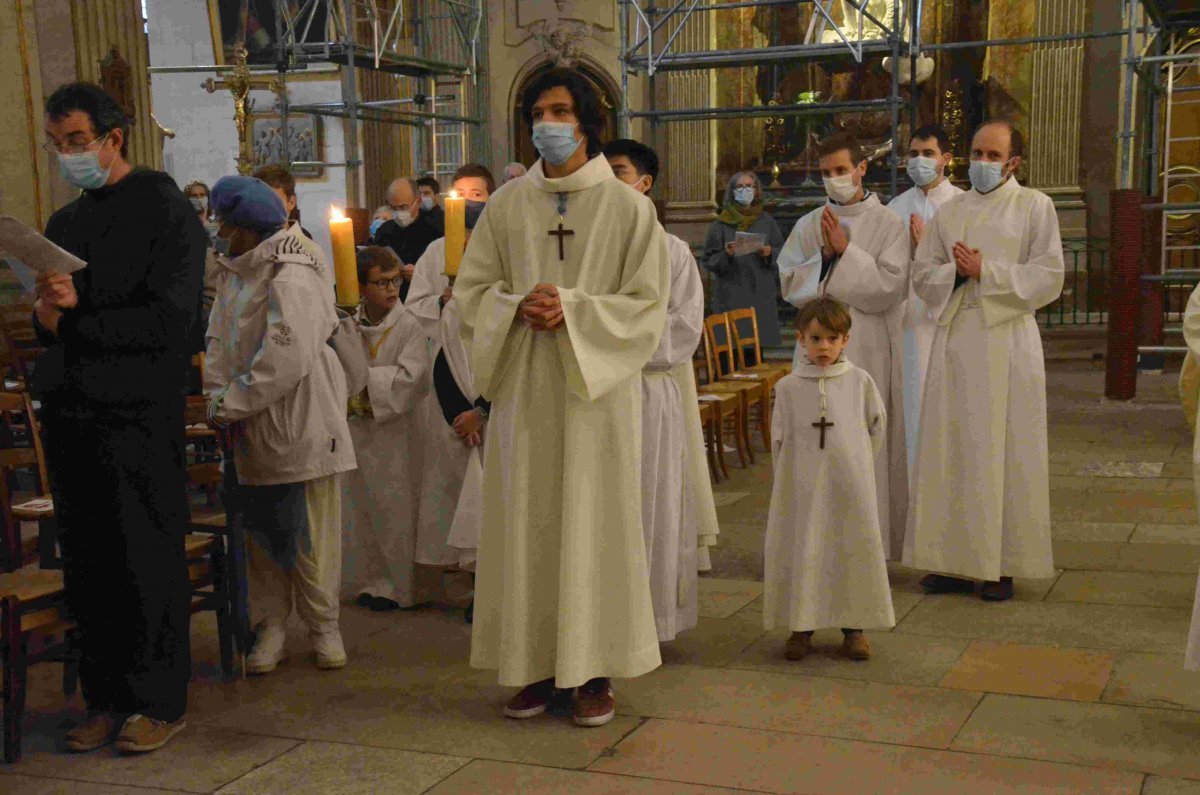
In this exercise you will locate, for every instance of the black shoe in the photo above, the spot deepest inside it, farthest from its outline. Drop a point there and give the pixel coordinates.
(997, 591)
(377, 604)
(940, 583)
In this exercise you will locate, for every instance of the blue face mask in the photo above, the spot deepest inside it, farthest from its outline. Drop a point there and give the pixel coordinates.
(744, 196)
(84, 170)
(986, 176)
(922, 170)
(555, 141)
(473, 211)
(378, 222)
(426, 203)
(221, 245)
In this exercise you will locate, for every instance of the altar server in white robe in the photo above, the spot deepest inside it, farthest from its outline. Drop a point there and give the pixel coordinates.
(824, 561)
(929, 156)
(1191, 335)
(379, 541)
(448, 452)
(676, 509)
(989, 260)
(856, 250)
(563, 295)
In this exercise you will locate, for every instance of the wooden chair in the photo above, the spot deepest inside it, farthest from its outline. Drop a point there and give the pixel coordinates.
(732, 410)
(21, 344)
(741, 321)
(722, 365)
(20, 450)
(708, 423)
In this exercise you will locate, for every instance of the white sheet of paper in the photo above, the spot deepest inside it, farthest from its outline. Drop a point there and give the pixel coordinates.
(36, 252)
(25, 274)
(748, 243)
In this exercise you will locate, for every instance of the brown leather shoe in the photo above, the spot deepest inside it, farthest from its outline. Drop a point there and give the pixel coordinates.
(1000, 591)
(594, 703)
(797, 647)
(95, 732)
(531, 701)
(141, 735)
(855, 646)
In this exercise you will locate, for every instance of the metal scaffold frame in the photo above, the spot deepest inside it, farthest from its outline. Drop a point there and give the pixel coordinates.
(645, 24)
(311, 33)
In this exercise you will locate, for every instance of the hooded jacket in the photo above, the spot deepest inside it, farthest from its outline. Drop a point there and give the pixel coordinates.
(124, 351)
(269, 363)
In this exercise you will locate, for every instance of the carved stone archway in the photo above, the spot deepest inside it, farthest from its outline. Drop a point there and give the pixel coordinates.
(523, 149)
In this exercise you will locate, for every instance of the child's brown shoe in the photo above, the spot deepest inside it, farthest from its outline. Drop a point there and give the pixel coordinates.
(798, 646)
(855, 646)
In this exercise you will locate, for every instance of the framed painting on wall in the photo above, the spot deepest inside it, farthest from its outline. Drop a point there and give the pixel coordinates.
(254, 23)
(305, 142)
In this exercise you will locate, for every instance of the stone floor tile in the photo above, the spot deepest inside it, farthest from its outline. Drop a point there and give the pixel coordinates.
(1079, 625)
(1166, 534)
(810, 705)
(1157, 785)
(1125, 588)
(1092, 531)
(1153, 680)
(16, 784)
(339, 769)
(713, 642)
(503, 778)
(198, 759)
(723, 499)
(1031, 671)
(1160, 741)
(1106, 556)
(780, 763)
(1164, 507)
(895, 658)
(1121, 469)
(721, 598)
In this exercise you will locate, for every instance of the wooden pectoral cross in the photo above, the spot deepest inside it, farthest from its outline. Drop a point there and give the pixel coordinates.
(561, 234)
(823, 424)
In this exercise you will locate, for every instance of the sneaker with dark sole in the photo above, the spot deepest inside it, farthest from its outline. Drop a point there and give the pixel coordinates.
(141, 734)
(97, 731)
(595, 704)
(531, 701)
(797, 647)
(855, 646)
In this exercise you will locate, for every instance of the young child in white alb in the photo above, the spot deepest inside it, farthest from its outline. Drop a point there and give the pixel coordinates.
(825, 564)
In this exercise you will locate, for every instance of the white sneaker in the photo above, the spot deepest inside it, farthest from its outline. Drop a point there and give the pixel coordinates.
(331, 654)
(268, 648)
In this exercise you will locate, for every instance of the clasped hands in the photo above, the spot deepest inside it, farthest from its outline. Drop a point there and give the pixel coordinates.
(833, 236)
(967, 261)
(55, 292)
(542, 309)
(468, 426)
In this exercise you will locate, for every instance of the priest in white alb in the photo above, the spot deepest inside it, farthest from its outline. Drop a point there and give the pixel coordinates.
(929, 156)
(677, 507)
(1187, 394)
(451, 423)
(855, 250)
(989, 260)
(563, 295)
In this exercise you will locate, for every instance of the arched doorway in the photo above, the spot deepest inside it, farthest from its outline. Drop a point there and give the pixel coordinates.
(522, 143)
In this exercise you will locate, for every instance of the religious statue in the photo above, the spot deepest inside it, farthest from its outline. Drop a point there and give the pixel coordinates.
(116, 80)
(240, 82)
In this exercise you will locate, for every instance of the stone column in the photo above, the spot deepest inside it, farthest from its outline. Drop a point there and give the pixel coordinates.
(1056, 101)
(691, 164)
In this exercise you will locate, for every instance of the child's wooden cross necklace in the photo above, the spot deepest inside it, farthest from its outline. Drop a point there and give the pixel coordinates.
(561, 233)
(824, 423)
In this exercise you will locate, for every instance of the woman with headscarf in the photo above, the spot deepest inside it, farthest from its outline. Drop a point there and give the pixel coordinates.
(280, 389)
(742, 280)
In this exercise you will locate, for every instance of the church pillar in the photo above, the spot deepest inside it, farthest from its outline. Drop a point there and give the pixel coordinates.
(1056, 100)
(100, 26)
(691, 161)
(25, 192)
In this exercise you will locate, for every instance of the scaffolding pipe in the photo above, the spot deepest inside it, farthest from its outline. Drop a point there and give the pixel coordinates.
(317, 107)
(1127, 111)
(696, 114)
(1056, 38)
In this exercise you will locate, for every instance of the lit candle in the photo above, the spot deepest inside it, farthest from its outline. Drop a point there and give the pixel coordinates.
(455, 208)
(345, 266)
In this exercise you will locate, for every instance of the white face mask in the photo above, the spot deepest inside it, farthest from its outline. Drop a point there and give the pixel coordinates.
(923, 170)
(403, 218)
(841, 189)
(986, 176)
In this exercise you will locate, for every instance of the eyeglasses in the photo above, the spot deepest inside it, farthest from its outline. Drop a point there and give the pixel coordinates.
(73, 149)
(383, 284)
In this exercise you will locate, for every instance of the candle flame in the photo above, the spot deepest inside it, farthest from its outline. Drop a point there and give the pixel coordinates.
(335, 214)
(453, 194)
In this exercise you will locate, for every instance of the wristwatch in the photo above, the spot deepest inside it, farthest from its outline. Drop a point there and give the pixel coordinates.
(484, 406)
